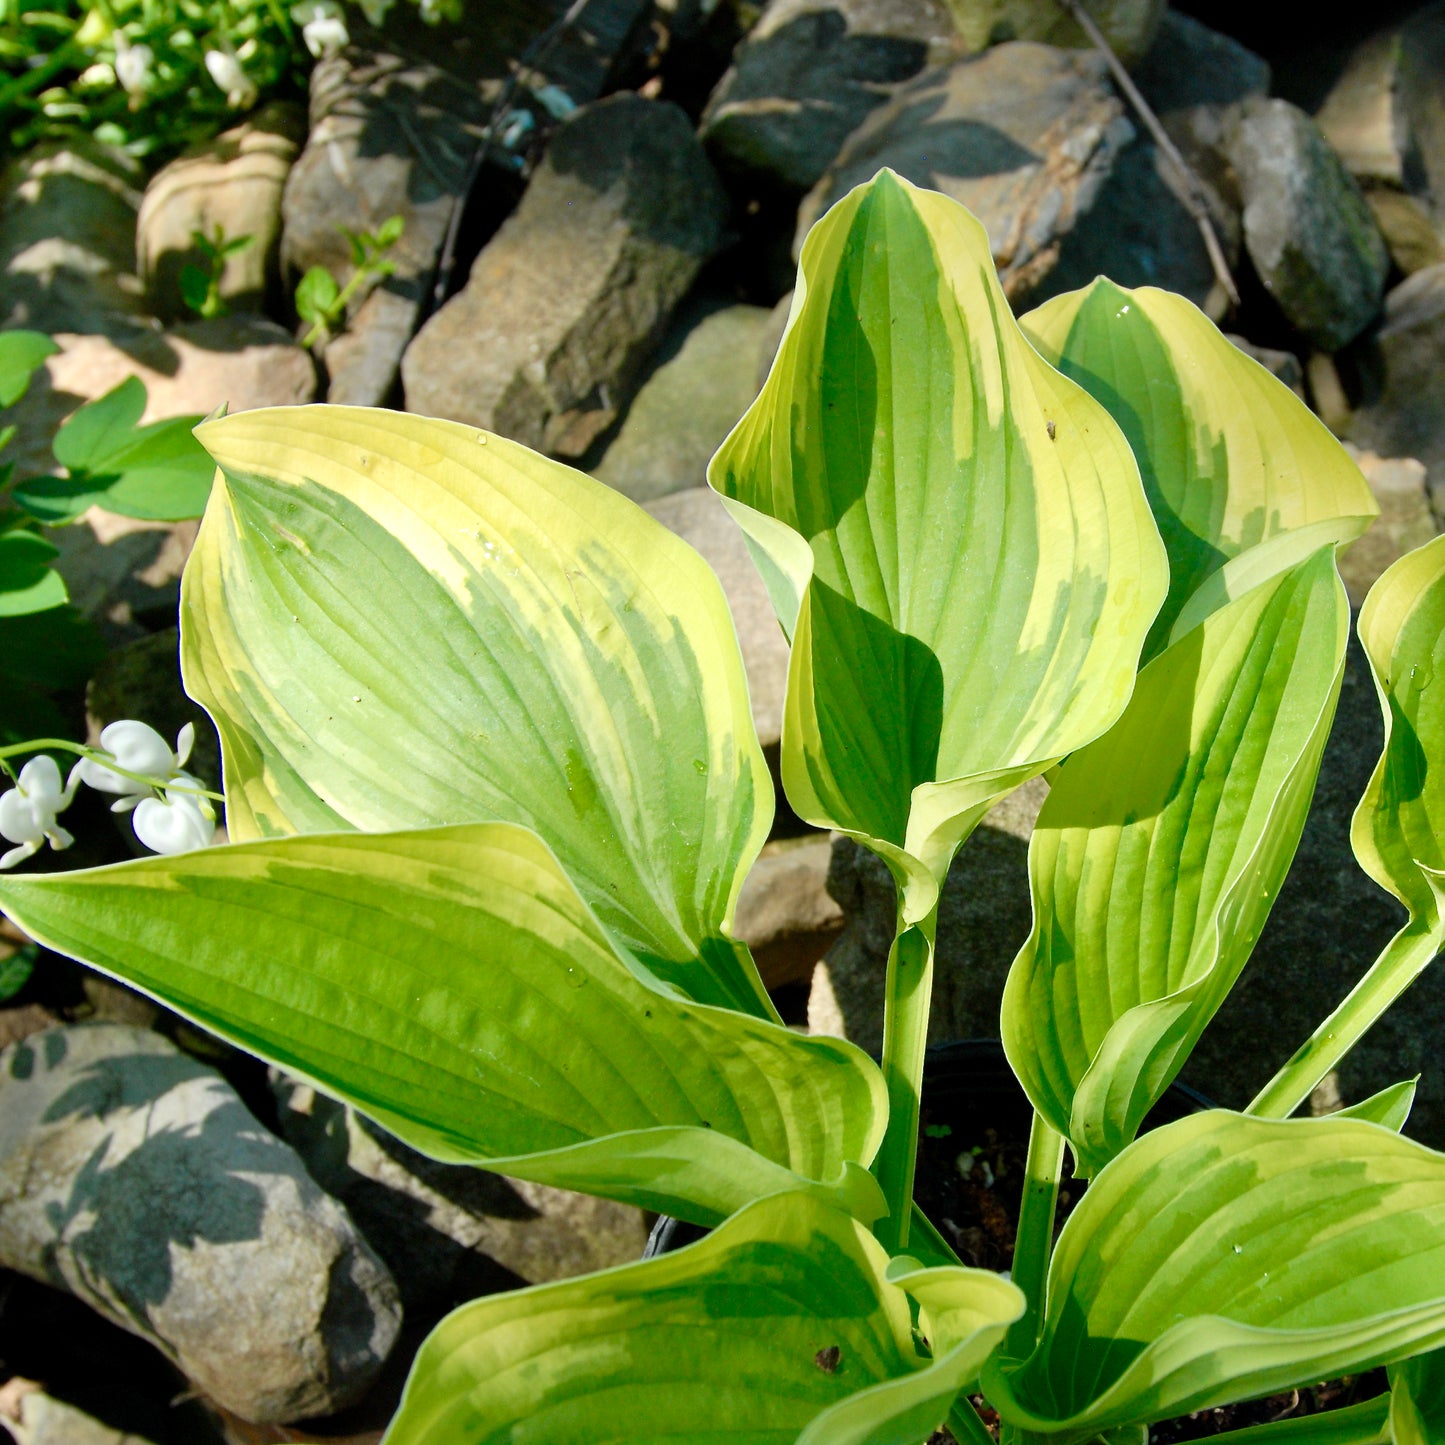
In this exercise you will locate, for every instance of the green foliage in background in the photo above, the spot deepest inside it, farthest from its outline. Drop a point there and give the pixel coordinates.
(493, 788)
(106, 458)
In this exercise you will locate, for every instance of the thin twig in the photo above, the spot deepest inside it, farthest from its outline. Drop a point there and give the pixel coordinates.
(1194, 198)
(531, 59)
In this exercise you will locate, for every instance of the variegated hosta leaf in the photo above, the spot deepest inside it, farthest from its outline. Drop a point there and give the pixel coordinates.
(1160, 850)
(775, 1320)
(1417, 1400)
(1225, 1257)
(1399, 827)
(398, 622)
(451, 984)
(953, 533)
(1230, 456)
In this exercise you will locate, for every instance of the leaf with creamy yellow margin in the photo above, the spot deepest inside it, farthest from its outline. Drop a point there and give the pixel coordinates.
(1230, 456)
(451, 984)
(398, 622)
(1224, 1257)
(782, 1325)
(954, 535)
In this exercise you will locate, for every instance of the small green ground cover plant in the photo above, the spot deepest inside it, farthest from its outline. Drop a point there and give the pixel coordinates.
(492, 787)
(105, 457)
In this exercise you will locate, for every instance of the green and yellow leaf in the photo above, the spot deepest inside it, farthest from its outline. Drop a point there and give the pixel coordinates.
(451, 984)
(527, 646)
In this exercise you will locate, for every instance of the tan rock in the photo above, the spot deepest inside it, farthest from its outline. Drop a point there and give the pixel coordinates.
(1128, 25)
(785, 913)
(1404, 523)
(232, 183)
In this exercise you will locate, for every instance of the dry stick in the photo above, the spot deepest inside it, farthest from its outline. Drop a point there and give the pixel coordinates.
(1194, 197)
(530, 59)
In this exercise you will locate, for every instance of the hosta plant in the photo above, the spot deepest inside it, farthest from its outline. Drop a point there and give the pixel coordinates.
(492, 788)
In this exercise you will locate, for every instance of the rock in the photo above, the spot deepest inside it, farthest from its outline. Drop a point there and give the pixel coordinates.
(772, 337)
(1128, 25)
(388, 137)
(67, 237)
(1190, 65)
(1024, 135)
(1195, 80)
(1329, 922)
(395, 121)
(33, 1418)
(701, 380)
(232, 183)
(1403, 413)
(133, 1176)
(1308, 230)
(700, 519)
(447, 1231)
(984, 917)
(1385, 121)
(1404, 522)
(243, 361)
(1362, 116)
(808, 74)
(786, 915)
(1411, 236)
(564, 303)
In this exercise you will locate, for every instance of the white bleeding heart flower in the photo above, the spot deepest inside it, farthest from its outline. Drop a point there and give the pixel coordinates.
(322, 26)
(138, 748)
(179, 822)
(29, 809)
(230, 76)
(134, 66)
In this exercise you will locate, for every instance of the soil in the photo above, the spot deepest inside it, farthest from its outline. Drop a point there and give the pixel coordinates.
(969, 1184)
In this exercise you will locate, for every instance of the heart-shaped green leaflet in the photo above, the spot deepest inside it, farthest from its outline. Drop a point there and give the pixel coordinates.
(775, 1320)
(529, 646)
(1159, 852)
(451, 984)
(1230, 456)
(1225, 1257)
(954, 535)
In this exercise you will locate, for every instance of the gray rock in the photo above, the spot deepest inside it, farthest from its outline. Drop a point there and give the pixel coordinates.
(1404, 523)
(701, 380)
(232, 183)
(564, 303)
(1024, 135)
(1190, 65)
(785, 914)
(808, 74)
(1403, 414)
(67, 238)
(700, 519)
(1309, 232)
(448, 1232)
(1329, 923)
(1422, 100)
(395, 122)
(1128, 25)
(133, 1176)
